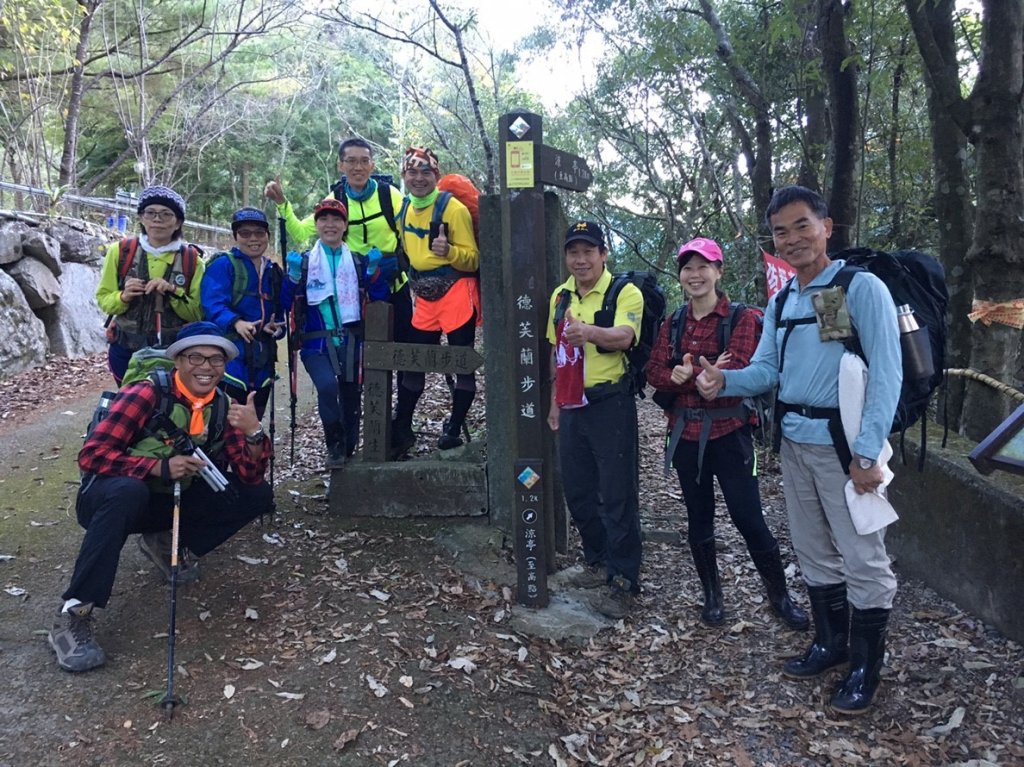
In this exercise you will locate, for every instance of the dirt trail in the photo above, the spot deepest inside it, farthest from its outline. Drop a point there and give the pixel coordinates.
(320, 641)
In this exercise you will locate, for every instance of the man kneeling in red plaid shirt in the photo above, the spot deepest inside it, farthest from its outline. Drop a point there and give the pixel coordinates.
(131, 461)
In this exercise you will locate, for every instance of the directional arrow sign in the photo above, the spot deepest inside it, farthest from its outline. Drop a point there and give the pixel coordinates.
(420, 358)
(564, 170)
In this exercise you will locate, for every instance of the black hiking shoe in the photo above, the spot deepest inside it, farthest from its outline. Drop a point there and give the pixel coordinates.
(72, 639)
(157, 549)
(450, 436)
(617, 601)
(403, 438)
(336, 458)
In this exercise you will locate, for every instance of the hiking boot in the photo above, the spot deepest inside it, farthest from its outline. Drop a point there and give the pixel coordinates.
(588, 577)
(769, 565)
(868, 629)
(831, 645)
(450, 436)
(706, 561)
(617, 601)
(157, 549)
(336, 457)
(334, 438)
(403, 438)
(72, 639)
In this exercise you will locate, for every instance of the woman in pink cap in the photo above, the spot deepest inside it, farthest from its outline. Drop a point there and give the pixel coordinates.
(709, 440)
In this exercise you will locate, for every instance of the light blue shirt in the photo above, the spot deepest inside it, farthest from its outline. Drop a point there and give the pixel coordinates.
(810, 375)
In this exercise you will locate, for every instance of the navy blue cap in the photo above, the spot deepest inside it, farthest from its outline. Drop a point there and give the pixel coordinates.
(249, 215)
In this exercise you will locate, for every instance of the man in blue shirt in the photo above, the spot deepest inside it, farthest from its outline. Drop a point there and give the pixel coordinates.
(837, 562)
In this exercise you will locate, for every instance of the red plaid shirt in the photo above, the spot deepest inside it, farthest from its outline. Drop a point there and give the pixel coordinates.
(700, 337)
(105, 452)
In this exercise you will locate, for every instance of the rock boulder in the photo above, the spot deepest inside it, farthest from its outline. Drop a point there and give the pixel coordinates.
(22, 334)
(74, 324)
(36, 281)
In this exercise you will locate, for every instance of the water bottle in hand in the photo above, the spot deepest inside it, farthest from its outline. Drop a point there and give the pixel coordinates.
(294, 262)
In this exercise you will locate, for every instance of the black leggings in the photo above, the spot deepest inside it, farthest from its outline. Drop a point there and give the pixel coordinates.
(461, 336)
(730, 458)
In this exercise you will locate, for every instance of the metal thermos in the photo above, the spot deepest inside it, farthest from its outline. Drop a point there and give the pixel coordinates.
(916, 346)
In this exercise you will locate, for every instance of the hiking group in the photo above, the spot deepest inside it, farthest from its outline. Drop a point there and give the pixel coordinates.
(193, 346)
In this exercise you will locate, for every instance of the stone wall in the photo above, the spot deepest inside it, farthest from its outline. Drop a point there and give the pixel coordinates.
(961, 532)
(49, 269)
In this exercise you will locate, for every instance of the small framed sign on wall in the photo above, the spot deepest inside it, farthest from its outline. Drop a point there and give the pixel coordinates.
(1004, 448)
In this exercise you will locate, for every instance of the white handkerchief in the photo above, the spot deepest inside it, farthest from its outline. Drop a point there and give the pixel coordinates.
(872, 511)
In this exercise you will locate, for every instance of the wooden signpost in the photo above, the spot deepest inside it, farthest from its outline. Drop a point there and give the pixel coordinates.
(527, 165)
(381, 356)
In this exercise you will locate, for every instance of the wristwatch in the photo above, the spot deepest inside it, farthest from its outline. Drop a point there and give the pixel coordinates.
(865, 463)
(256, 438)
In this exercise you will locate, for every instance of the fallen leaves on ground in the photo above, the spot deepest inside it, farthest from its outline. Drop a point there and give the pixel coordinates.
(370, 641)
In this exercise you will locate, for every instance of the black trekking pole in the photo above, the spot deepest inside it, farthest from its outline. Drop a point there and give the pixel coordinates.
(158, 303)
(273, 431)
(169, 700)
(289, 330)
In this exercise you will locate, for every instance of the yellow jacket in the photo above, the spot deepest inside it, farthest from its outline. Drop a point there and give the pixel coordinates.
(463, 255)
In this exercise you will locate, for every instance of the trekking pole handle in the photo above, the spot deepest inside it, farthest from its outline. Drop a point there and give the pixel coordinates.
(210, 473)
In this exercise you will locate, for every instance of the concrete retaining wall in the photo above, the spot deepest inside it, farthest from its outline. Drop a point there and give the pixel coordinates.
(962, 532)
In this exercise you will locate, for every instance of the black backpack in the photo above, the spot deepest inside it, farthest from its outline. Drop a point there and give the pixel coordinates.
(650, 322)
(915, 279)
(387, 210)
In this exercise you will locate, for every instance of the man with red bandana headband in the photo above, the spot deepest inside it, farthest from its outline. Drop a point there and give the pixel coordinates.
(443, 260)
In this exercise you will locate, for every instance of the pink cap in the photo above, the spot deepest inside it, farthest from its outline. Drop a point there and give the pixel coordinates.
(702, 247)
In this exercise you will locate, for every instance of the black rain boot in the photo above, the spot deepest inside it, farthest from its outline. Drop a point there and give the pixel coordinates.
(334, 436)
(706, 562)
(868, 629)
(769, 565)
(831, 626)
(452, 433)
(403, 438)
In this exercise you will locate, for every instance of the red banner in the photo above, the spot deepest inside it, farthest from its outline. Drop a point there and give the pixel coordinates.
(777, 273)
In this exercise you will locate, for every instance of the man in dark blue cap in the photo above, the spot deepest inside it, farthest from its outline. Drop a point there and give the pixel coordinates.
(593, 409)
(130, 463)
(241, 294)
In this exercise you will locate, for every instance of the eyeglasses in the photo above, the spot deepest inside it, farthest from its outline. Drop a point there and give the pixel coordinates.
(358, 162)
(252, 233)
(158, 215)
(215, 361)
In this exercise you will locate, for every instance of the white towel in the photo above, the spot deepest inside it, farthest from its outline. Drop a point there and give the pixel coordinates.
(321, 283)
(871, 511)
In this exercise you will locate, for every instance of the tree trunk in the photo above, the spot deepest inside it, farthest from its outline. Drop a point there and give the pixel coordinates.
(949, 116)
(69, 153)
(761, 169)
(840, 71)
(896, 202)
(812, 106)
(997, 252)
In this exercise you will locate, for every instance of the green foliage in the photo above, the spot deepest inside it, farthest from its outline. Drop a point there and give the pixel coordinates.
(217, 103)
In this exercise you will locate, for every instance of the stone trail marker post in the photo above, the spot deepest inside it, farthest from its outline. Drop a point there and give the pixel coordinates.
(526, 166)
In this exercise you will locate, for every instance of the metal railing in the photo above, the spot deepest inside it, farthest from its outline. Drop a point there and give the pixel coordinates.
(122, 206)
